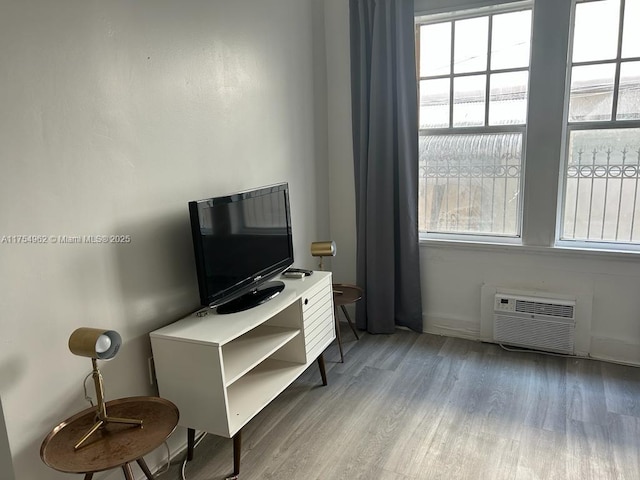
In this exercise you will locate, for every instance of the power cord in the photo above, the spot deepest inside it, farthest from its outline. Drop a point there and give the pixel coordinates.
(184, 463)
(168, 465)
(86, 394)
(526, 350)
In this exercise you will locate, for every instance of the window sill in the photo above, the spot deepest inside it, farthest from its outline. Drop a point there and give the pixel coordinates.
(511, 248)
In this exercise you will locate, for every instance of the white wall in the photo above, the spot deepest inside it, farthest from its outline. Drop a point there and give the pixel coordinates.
(453, 274)
(453, 277)
(6, 464)
(341, 174)
(114, 115)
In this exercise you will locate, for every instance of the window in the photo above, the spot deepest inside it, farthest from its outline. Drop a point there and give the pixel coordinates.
(473, 72)
(569, 101)
(601, 202)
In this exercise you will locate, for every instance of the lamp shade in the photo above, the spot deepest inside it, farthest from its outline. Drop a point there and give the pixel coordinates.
(95, 343)
(323, 249)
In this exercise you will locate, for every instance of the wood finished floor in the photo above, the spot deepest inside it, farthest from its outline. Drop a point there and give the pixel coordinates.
(411, 406)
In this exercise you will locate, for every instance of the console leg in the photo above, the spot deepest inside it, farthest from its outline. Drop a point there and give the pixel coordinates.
(237, 450)
(191, 440)
(323, 371)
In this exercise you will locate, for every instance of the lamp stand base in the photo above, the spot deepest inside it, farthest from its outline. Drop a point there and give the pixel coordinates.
(101, 409)
(103, 422)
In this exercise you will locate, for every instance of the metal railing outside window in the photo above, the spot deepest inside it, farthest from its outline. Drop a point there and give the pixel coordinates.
(470, 183)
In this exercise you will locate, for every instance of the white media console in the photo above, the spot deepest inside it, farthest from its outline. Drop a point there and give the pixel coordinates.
(222, 370)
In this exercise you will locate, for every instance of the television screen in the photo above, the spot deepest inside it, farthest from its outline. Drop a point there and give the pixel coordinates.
(240, 242)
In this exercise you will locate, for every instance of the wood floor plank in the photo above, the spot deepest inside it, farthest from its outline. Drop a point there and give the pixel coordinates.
(589, 452)
(542, 455)
(621, 386)
(624, 434)
(547, 394)
(385, 416)
(413, 441)
(585, 391)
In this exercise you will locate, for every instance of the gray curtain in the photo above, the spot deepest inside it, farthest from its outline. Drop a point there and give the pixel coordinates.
(385, 144)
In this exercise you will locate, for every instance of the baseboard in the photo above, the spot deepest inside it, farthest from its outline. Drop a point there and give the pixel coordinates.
(451, 326)
(615, 350)
(600, 348)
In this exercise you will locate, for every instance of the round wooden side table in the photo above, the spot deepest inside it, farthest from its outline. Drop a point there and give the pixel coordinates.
(114, 445)
(345, 294)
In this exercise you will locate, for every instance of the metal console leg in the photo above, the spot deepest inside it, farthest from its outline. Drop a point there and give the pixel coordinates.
(237, 450)
(323, 370)
(191, 440)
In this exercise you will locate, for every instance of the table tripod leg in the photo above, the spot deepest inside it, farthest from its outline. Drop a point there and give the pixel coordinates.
(91, 431)
(127, 421)
(88, 476)
(143, 466)
(353, 328)
(128, 473)
(338, 336)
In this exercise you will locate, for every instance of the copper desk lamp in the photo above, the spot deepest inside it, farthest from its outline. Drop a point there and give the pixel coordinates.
(97, 344)
(323, 249)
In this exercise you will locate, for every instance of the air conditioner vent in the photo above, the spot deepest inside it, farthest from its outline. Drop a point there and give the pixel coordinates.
(533, 321)
(539, 308)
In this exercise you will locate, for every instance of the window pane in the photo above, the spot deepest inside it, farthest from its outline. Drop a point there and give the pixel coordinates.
(595, 34)
(470, 50)
(629, 91)
(434, 103)
(470, 183)
(601, 195)
(630, 30)
(435, 49)
(511, 40)
(508, 98)
(469, 100)
(591, 93)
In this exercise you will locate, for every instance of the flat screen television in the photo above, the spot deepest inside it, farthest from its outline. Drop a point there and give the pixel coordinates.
(241, 241)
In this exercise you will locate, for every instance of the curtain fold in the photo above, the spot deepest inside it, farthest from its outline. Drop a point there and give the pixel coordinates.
(385, 145)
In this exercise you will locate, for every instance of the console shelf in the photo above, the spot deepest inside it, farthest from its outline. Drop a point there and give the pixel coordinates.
(258, 388)
(253, 347)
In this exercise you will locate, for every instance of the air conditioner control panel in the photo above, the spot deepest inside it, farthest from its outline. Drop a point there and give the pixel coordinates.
(504, 304)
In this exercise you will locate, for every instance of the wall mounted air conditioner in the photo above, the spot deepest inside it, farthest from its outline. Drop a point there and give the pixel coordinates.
(538, 323)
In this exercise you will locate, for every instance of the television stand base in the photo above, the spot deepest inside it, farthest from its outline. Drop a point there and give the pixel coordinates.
(263, 293)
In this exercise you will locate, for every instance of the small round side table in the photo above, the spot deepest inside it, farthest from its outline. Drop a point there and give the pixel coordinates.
(114, 445)
(344, 294)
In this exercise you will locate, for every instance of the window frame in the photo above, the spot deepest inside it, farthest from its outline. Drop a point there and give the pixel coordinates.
(465, 13)
(593, 125)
